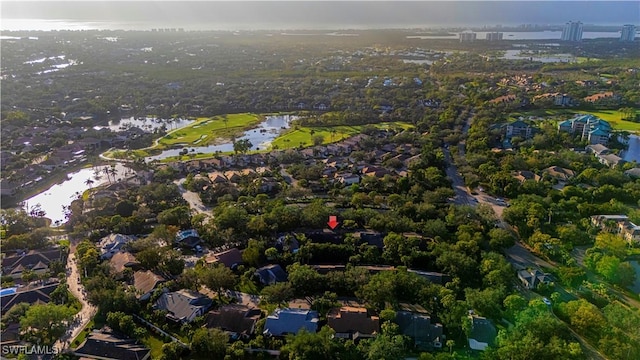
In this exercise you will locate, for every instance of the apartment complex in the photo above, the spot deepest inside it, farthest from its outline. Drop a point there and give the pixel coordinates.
(572, 31)
(628, 33)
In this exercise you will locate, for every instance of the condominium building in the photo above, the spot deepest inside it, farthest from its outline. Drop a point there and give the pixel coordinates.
(572, 31)
(494, 36)
(628, 33)
(467, 36)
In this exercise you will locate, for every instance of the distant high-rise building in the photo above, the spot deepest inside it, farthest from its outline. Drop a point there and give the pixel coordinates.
(494, 36)
(467, 36)
(572, 31)
(628, 33)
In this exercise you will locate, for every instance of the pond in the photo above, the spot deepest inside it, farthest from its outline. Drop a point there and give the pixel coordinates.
(545, 58)
(260, 136)
(145, 123)
(633, 151)
(54, 199)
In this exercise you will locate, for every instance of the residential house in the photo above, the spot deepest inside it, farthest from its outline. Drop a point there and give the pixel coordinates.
(145, 283)
(417, 325)
(183, 305)
(38, 295)
(503, 99)
(630, 232)
(239, 320)
(604, 221)
(188, 238)
(123, 260)
(559, 173)
(633, 173)
(372, 238)
(291, 321)
(434, 277)
(600, 96)
(353, 322)
(107, 346)
(611, 160)
(531, 279)
(598, 149)
(519, 128)
(483, 333)
(233, 176)
(524, 175)
(217, 178)
(271, 274)
(347, 178)
(35, 260)
(287, 242)
(230, 258)
(112, 244)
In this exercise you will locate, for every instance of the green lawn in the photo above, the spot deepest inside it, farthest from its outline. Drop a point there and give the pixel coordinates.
(153, 342)
(205, 131)
(303, 136)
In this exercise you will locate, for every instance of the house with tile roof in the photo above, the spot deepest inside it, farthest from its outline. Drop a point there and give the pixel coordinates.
(353, 322)
(145, 282)
(230, 258)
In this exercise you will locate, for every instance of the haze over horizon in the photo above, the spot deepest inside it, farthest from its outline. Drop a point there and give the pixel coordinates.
(254, 15)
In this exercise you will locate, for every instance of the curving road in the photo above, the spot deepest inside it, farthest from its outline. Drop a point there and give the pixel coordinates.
(85, 314)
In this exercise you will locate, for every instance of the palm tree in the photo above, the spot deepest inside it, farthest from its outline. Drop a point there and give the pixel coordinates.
(113, 172)
(106, 172)
(89, 183)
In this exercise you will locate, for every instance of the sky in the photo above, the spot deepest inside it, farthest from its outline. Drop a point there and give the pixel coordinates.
(323, 14)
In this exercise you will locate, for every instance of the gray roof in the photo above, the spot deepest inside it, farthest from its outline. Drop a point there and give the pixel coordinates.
(290, 321)
(482, 330)
(183, 305)
(100, 345)
(418, 326)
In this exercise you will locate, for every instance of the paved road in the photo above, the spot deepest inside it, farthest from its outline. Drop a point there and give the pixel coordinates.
(195, 203)
(85, 314)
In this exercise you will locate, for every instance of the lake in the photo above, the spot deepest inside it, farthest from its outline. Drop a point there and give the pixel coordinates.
(633, 152)
(54, 198)
(551, 58)
(260, 136)
(145, 123)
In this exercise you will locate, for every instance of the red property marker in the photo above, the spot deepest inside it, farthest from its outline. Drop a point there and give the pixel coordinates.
(333, 222)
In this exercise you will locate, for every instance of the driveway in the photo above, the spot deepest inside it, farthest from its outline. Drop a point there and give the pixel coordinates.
(195, 203)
